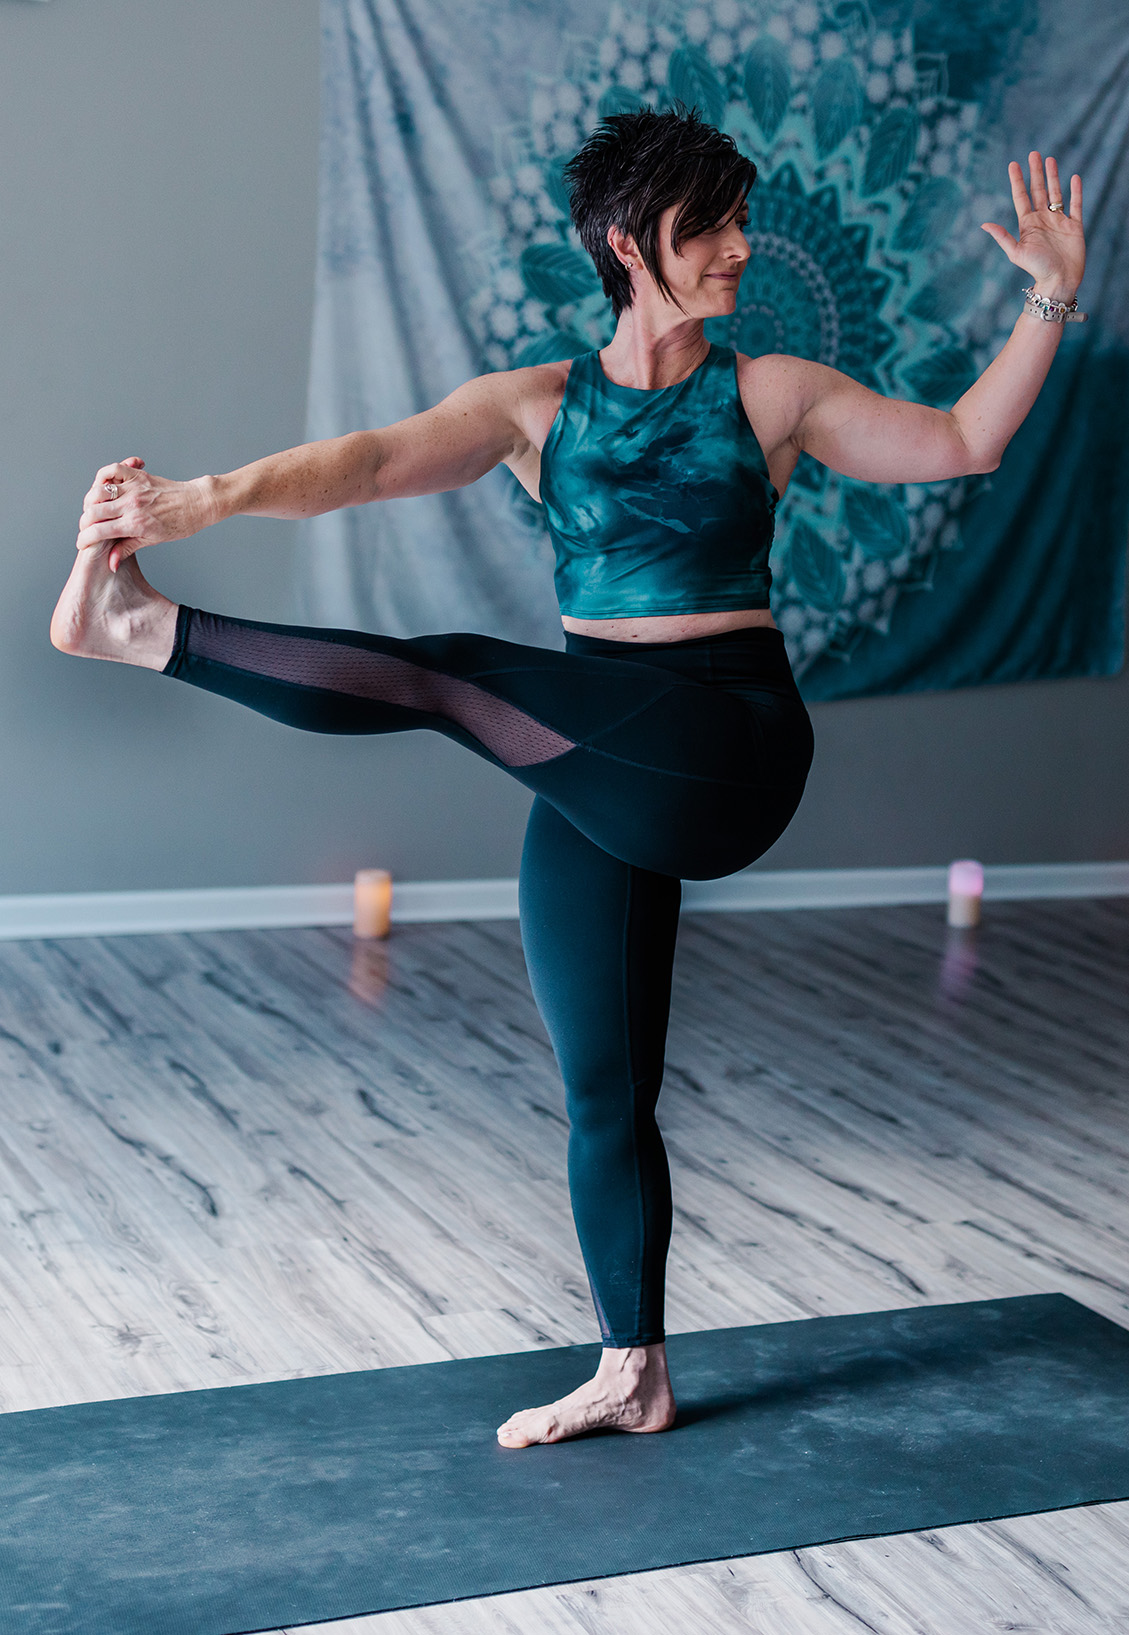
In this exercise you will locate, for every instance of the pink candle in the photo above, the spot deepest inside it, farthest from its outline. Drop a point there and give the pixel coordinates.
(372, 903)
(966, 892)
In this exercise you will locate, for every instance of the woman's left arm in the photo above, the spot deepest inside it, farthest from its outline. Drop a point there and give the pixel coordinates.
(886, 440)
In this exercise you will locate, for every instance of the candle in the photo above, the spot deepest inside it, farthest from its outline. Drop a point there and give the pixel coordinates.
(966, 890)
(372, 902)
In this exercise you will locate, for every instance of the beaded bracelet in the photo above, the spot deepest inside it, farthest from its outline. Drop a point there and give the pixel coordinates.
(1053, 312)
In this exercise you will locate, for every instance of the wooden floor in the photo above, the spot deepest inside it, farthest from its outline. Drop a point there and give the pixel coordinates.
(251, 1156)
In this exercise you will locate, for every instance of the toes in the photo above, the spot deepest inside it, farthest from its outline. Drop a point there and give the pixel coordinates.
(510, 1437)
(521, 1431)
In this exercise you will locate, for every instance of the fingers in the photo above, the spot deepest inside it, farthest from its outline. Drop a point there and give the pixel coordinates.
(1002, 237)
(1046, 186)
(119, 550)
(100, 523)
(97, 506)
(119, 472)
(1038, 180)
(102, 518)
(122, 549)
(105, 511)
(1054, 186)
(97, 495)
(1018, 191)
(97, 533)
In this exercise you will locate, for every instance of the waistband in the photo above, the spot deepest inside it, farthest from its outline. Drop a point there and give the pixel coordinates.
(753, 657)
(756, 635)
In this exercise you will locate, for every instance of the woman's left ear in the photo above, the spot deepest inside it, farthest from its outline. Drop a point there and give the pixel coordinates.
(622, 245)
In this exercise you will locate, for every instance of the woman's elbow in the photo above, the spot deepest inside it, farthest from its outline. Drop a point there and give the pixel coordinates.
(973, 458)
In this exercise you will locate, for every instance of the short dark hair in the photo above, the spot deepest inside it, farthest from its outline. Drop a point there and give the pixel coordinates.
(636, 165)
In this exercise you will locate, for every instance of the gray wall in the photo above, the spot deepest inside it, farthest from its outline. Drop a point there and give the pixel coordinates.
(157, 211)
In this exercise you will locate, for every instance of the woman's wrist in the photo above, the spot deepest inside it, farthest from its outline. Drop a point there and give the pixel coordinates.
(1055, 289)
(216, 499)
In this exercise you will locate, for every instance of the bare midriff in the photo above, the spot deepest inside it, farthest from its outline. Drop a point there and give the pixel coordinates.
(671, 627)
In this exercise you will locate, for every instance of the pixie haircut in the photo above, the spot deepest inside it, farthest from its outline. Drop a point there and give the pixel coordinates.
(636, 165)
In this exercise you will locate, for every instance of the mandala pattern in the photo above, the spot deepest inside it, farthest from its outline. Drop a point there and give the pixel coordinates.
(865, 255)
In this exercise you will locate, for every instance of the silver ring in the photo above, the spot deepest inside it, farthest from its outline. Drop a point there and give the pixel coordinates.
(112, 490)
(1059, 206)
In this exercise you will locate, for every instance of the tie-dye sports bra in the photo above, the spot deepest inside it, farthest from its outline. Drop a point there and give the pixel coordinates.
(657, 501)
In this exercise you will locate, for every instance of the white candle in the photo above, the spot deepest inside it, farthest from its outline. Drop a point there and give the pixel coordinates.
(966, 892)
(372, 903)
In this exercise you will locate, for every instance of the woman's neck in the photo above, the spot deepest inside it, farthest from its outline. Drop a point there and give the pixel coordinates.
(649, 357)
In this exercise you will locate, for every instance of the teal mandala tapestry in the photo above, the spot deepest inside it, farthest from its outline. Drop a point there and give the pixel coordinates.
(882, 130)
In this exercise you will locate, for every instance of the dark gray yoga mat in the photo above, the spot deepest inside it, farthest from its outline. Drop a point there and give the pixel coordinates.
(250, 1507)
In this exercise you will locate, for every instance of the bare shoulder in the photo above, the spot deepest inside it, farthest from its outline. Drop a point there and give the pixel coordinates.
(775, 378)
(529, 398)
(520, 405)
(512, 388)
(779, 378)
(775, 389)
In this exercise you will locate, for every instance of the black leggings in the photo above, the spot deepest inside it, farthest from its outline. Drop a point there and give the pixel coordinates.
(651, 763)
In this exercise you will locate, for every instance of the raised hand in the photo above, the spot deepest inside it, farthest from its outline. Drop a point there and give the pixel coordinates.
(134, 508)
(1051, 245)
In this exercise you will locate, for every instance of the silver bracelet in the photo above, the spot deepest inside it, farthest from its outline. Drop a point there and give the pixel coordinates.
(1053, 312)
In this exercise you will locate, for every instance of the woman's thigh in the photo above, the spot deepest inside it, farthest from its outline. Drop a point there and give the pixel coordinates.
(666, 773)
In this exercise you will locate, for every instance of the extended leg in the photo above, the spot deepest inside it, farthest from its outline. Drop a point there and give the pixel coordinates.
(599, 940)
(663, 772)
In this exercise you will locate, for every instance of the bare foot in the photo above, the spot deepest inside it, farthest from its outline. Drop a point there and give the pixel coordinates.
(104, 615)
(631, 1391)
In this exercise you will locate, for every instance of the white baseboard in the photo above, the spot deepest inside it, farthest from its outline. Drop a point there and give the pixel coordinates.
(861, 888)
(116, 913)
(243, 908)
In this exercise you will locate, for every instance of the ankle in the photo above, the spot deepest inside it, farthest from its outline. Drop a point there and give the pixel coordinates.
(633, 1367)
(145, 632)
(155, 633)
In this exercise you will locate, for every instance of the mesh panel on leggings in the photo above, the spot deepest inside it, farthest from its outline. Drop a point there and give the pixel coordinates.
(515, 738)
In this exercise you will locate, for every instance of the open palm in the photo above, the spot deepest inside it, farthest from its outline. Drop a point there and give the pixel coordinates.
(1051, 245)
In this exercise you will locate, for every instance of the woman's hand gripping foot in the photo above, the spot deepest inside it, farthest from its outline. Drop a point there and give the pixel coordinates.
(104, 615)
(631, 1391)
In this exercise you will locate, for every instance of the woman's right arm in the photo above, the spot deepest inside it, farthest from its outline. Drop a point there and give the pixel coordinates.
(474, 429)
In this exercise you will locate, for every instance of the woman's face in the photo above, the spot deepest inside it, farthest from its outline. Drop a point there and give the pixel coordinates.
(704, 272)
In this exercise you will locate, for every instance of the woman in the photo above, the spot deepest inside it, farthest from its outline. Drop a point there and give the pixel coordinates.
(668, 740)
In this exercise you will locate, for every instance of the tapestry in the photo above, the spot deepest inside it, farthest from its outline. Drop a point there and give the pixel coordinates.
(882, 130)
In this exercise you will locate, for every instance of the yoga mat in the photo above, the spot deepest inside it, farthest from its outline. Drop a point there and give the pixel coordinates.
(250, 1507)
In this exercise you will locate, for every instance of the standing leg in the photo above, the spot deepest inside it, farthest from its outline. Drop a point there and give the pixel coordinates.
(599, 940)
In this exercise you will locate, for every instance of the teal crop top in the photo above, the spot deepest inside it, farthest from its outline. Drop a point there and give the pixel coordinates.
(657, 501)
